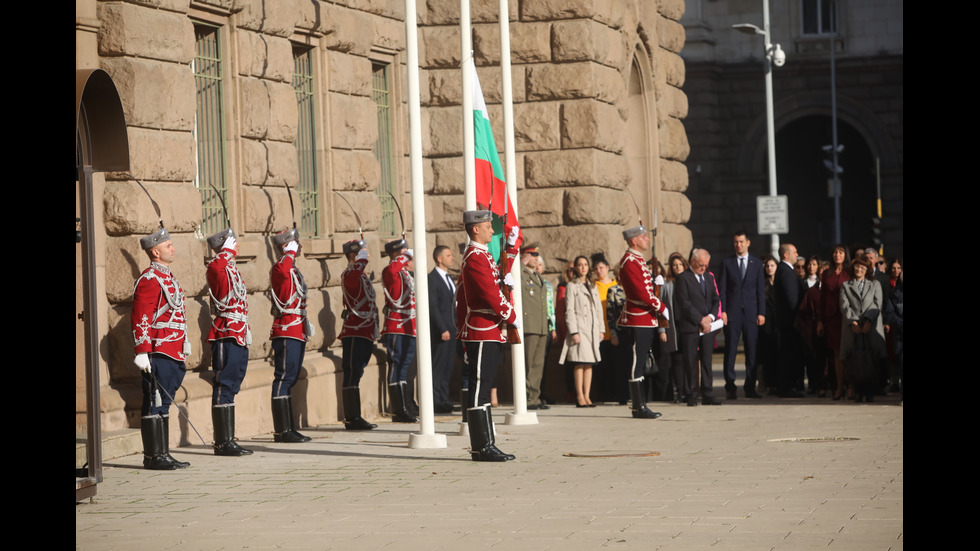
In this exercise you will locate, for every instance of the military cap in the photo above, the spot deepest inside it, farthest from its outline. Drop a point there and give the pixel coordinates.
(284, 237)
(354, 246)
(530, 248)
(149, 241)
(393, 247)
(471, 217)
(630, 233)
(217, 240)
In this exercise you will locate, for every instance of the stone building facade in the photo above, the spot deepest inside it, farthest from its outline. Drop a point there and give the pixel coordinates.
(727, 126)
(291, 107)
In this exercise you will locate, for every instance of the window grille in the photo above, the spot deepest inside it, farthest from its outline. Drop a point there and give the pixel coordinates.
(381, 93)
(209, 129)
(307, 189)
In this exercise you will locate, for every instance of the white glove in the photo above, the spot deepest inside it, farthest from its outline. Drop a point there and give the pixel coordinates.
(659, 280)
(409, 253)
(290, 247)
(361, 255)
(187, 347)
(666, 314)
(517, 323)
(310, 330)
(142, 361)
(230, 242)
(512, 236)
(509, 279)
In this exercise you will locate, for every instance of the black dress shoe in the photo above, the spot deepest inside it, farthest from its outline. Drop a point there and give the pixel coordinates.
(579, 405)
(443, 408)
(731, 394)
(711, 401)
(492, 454)
(692, 401)
(645, 413)
(790, 394)
(752, 394)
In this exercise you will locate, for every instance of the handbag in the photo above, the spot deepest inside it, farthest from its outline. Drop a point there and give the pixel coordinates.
(861, 361)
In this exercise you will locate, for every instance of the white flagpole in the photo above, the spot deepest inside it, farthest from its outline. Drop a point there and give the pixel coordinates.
(520, 416)
(427, 438)
(467, 67)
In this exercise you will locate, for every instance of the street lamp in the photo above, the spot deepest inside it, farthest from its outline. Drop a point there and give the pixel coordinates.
(774, 56)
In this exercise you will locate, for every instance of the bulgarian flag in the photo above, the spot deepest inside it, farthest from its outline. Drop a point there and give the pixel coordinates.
(491, 188)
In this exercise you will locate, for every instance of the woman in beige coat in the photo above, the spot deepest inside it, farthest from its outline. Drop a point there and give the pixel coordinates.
(583, 316)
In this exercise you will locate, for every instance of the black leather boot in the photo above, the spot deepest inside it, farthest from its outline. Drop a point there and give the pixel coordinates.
(637, 393)
(166, 444)
(154, 448)
(223, 418)
(408, 398)
(282, 422)
(352, 410)
(464, 402)
(396, 394)
(482, 441)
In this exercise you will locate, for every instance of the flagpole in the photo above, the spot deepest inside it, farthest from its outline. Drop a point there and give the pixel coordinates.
(427, 438)
(469, 150)
(520, 416)
(466, 57)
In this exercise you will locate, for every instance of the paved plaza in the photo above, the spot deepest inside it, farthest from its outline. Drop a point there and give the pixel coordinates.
(762, 474)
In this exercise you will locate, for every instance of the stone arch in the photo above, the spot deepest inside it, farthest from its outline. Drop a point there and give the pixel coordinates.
(802, 127)
(642, 150)
(752, 155)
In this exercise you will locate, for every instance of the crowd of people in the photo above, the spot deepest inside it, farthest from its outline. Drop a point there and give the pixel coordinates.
(636, 333)
(829, 328)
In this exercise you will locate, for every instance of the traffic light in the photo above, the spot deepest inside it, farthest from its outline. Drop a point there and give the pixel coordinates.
(876, 234)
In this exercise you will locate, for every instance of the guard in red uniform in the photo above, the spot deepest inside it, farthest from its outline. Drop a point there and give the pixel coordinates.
(290, 330)
(639, 313)
(359, 331)
(230, 338)
(483, 311)
(399, 327)
(161, 346)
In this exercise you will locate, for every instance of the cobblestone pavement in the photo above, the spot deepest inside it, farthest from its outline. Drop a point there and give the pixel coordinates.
(745, 475)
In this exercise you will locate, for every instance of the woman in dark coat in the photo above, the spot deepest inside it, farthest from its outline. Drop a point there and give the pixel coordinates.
(829, 317)
(767, 357)
(670, 358)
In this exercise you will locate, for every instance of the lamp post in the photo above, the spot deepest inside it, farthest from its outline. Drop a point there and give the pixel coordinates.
(774, 56)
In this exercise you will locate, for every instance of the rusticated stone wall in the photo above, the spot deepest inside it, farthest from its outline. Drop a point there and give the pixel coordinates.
(571, 75)
(573, 79)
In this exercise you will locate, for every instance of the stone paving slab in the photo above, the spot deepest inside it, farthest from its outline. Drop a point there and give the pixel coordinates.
(725, 478)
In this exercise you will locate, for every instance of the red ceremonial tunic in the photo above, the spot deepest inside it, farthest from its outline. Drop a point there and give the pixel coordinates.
(158, 321)
(482, 310)
(399, 287)
(642, 306)
(229, 300)
(360, 317)
(289, 299)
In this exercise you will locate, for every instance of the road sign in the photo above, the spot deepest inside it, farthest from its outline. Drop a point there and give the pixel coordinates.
(772, 212)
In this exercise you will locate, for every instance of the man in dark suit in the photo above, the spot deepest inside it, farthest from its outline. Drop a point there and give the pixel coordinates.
(442, 319)
(697, 302)
(878, 266)
(789, 344)
(743, 307)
